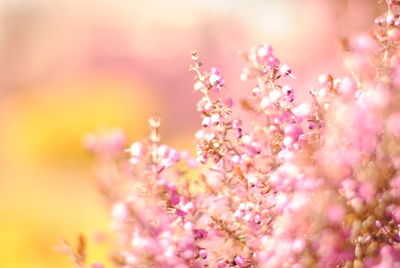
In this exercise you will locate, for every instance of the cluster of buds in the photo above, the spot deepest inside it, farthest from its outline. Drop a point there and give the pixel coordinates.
(209, 81)
(215, 113)
(162, 155)
(167, 156)
(262, 61)
(389, 23)
(247, 213)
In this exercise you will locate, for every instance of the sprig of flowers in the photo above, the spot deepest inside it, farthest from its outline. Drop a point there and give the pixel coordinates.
(315, 184)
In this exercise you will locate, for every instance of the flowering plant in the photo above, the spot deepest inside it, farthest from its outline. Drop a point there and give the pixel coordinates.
(310, 185)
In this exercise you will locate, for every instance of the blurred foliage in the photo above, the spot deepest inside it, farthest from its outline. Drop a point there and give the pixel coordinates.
(45, 187)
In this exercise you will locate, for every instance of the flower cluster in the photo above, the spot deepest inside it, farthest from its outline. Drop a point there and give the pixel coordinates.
(313, 184)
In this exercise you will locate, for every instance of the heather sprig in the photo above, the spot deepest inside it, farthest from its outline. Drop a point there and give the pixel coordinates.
(314, 184)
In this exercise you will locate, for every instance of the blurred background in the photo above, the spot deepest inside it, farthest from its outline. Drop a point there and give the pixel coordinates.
(68, 67)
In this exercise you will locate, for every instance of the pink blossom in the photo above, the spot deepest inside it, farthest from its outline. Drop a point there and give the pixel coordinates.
(291, 185)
